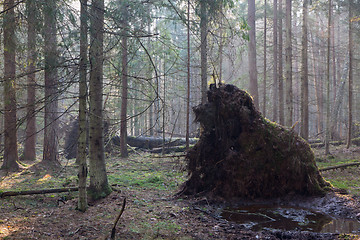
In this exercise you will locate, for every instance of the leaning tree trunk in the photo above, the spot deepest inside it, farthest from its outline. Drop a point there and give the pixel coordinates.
(50, 150)
(99, 186)
(241, 154)
(10, 138)
(30, 138)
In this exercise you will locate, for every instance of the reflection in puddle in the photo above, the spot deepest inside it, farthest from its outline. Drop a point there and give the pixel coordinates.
(258, 217)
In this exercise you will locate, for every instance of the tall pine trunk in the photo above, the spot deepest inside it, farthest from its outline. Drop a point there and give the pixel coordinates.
(50, 150)
(275, 60)
(328, 127)
(83, 92)
(281, 76)
(203, 48)
(188, 78)
(351, 46)
(10, 137)
(304, 76)
(124, 93)
(30, 138)
(99, 186)
(288, 67)
(265, 62)
(252, 54)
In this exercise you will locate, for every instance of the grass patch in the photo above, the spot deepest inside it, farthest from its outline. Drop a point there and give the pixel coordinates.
(347, 178)
(322, 163)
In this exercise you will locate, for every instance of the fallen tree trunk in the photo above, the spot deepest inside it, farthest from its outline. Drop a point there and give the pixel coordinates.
(168, 149)
(41, 191)
(339, 166)
(152, 142)
(354, 141)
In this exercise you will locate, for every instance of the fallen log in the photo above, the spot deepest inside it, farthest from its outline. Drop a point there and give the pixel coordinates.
(143, 142)
(41, 191)
(340, 166)
(168, 150)
(354, 141)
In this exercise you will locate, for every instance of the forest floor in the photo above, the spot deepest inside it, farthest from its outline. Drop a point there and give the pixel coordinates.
(149, 183)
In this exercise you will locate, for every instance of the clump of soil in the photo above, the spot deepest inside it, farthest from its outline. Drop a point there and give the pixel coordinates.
(241, 154)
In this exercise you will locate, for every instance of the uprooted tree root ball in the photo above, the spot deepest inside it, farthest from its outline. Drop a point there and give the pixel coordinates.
(241, 154)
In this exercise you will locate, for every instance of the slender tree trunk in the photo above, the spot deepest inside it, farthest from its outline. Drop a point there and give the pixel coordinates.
(10, 140)
(164, 107)
(252, 53)
(83, 92)
(203, 49)
(332, 32)
(281, 74)
(50, 151)
(351, 46)
(288, 67)
(221, 44)
(30, 138)
(99, 186)
(151, 109)
(328, 127)
(318, 90)
(265, 62)
(304, 76)
(188, 78)
(275, 60)
(1, 127)
(124, 94)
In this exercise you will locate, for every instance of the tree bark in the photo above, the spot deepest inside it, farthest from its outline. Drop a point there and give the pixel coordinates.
(281, 77)
(99, 186)
(188, 78)
(288, 67)
(203, 48)
(275, 59)
(252, 54)
(265, 62)
(83, 92)
(327, 134)
(124, 93)
(30, 138)
(351, 46)
(304, 76)
(50, 150)
(10, 137)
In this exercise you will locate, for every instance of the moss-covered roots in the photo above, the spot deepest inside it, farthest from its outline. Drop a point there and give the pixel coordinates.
(241, 154)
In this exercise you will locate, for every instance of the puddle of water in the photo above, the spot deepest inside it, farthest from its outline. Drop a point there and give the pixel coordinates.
(259, 217)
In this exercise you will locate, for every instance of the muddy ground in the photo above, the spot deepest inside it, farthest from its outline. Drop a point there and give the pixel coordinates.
(149, 183)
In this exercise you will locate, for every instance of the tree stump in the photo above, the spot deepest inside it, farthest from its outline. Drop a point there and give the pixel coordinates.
(242, 154)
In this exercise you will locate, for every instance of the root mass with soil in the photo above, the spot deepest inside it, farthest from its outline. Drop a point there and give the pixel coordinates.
(241, 154)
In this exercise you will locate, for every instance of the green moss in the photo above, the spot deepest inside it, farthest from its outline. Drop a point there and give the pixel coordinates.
(95, 194)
